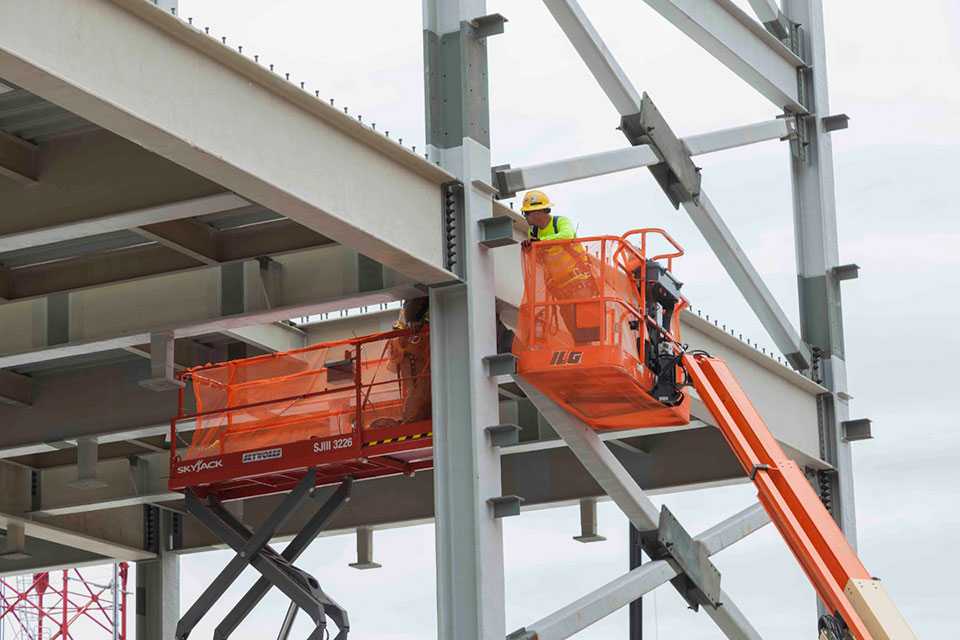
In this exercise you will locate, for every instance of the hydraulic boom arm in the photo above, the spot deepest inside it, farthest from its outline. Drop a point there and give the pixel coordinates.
(836, 572)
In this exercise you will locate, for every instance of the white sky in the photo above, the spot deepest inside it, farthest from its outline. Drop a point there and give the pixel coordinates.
(895, 69)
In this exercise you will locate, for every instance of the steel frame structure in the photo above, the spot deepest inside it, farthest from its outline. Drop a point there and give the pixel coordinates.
(785, 63)
(782, 57)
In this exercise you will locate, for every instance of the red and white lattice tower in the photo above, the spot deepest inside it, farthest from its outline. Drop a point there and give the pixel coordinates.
(64, 605)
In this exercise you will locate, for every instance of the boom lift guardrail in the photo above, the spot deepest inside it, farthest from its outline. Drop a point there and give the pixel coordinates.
(615, 360)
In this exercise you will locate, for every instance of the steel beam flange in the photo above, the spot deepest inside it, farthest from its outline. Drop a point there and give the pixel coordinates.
(677, 175)
(699, 584)
(496, 231)
(501, 364)
(489, 25)
(498, 175)
(503, 434)
(857, 429)
(505, 506)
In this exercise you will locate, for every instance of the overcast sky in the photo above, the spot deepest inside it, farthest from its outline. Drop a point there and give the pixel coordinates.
(895, 72)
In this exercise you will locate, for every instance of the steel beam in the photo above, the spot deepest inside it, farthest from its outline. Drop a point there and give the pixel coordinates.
(741, 44)
(596, 605)
(354, 173)
(202, 301)
(631, 587)
(623, 489)
(39, 233)
(772, 18)
(748, 281)
(126, 481)
(628, 588)
(719, 26)
(102, 399)
(598, 164)
(588, 43)
(137, 262)
(276, 336)
(42, 556)
(75, 539)
(187, 236)
(14, 389)
(620, 91)
(598, 460)
(18, 159)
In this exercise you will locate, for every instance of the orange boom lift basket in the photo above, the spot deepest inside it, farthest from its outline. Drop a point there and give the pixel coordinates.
(357, 407)
(598, 334)
(598, 329)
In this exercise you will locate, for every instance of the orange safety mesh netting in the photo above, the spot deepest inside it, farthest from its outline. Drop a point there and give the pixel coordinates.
(578, 329)
(312, 392)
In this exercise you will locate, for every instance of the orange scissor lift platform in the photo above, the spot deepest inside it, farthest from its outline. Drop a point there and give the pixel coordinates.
(342, 408)
(598, 334)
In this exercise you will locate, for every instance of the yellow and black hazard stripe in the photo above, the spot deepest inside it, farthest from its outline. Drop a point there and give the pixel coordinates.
(400, 439)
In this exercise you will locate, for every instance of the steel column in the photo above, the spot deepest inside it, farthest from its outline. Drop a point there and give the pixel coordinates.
(470, 584)
(815, 231)
(158, 589)
(635, 625)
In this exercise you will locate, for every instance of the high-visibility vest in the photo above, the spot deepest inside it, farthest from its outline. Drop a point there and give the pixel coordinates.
(423, 317)
(566, 263)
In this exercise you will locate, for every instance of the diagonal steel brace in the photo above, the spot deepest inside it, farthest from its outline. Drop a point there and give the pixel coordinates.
(330, 509)
(252, 549)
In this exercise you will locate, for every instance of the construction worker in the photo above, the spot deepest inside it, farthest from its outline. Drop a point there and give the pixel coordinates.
(567, 266)
(409, 355)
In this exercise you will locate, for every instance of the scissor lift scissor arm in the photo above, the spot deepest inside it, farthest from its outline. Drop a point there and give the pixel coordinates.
(836, 572)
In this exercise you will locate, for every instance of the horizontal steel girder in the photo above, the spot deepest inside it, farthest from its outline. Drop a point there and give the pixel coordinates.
(97, 182)
(312, 164)
(272, 238)
(18, 160)
(598, 164)
(188, 304)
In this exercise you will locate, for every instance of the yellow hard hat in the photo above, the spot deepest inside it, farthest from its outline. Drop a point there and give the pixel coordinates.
(535, 201)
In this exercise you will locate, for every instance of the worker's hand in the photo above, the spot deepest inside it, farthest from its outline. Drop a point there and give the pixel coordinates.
(526, 243)
(414, 325)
